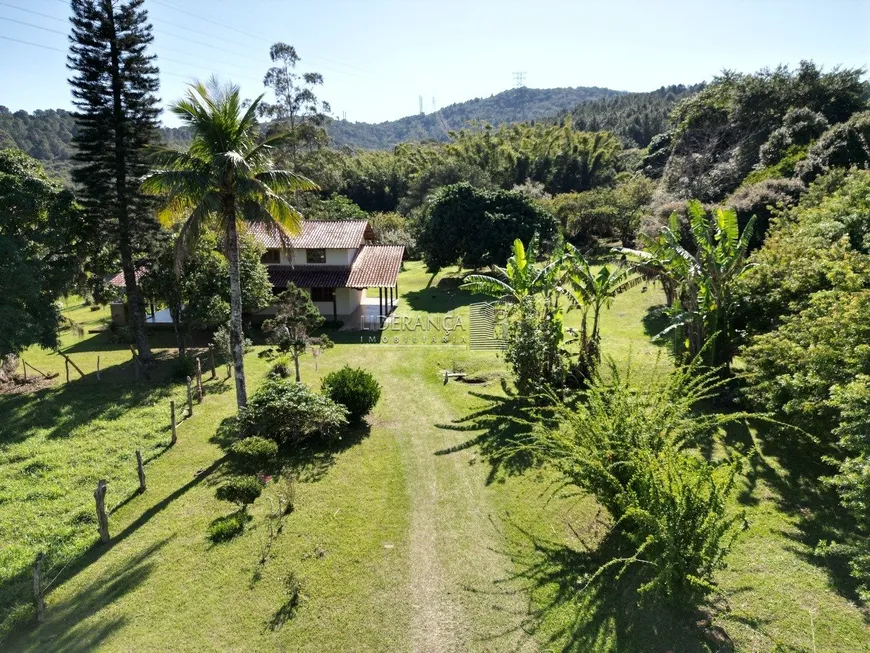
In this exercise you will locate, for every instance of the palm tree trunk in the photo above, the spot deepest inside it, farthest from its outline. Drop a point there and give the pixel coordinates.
(236, 334)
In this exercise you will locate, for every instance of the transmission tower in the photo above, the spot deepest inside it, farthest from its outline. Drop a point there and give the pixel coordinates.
(421, 105)
(520, 79)
(520, 85)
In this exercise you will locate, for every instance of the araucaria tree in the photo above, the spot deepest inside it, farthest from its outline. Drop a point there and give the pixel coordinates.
(114, 86)
(225, 177)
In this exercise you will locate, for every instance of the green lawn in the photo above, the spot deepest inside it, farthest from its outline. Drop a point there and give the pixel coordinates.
(404, 540)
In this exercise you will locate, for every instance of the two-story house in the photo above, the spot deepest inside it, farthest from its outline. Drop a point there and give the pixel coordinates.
(337, 262)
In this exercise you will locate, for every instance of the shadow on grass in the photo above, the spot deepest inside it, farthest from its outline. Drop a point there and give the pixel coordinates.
(503, 430)
(654, 322)
(64, 631)
(791, 468)
(444, 297)
(307, 462)
(580, 615)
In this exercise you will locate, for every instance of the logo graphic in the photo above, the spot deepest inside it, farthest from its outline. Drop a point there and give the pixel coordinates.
(487, 327)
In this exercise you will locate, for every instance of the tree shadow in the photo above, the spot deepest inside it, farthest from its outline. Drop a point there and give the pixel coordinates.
(444, 297)
(503, 430)
(654, 322)
(792, 468)
(61, 409)
(64, 630)
(580, 612)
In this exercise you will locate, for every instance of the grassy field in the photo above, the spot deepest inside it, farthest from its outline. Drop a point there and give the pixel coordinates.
(408, 538)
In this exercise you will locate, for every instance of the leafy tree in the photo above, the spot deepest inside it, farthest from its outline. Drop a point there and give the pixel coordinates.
(629, 447)
(535, 331)
(44, 239)
(114, 87)
(335, 207)
(296, 112)
(820, 244)
(198, 296)
(296, 319)
(226, 176)
(291, 413)
(720, 131)
(842, 146)
(478, 227)
(762, 200)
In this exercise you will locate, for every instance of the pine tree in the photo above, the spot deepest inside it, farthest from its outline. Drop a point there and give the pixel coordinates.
(114, 87)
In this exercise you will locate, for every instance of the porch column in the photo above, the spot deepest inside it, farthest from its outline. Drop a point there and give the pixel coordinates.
(380, 305)
(335, 306)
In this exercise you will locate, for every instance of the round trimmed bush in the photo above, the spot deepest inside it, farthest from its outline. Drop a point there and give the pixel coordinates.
(241, 490)
(355, 389)
(254, 454)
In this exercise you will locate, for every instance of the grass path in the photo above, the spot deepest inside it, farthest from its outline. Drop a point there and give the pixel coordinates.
(400, 546)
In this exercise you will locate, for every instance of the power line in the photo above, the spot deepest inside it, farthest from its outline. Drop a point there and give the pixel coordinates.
(45, 29)
(38, 45)
(36, 13)
(258, 37)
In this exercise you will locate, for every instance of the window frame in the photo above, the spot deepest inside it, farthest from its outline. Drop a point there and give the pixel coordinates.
(274, 254)
(322, 294)
(309, 252)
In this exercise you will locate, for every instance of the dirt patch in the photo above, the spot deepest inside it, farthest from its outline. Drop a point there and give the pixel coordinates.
(18, 386)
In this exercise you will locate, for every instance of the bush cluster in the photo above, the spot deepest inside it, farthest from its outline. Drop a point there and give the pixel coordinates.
(629, 449)
(291, 413)
(241, 490)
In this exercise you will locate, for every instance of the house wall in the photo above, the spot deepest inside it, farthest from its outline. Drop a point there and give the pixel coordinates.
(348, 300)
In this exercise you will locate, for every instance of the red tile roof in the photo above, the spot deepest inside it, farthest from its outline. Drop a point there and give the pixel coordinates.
(374, 267)
(317, 234)
(118, 279)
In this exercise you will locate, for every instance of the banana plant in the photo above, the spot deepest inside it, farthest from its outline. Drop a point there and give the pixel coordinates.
(700, 284)
(589, 291)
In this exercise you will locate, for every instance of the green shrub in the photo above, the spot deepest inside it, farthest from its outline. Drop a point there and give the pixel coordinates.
(183, 367)
(282, 368)
(227, 527)
(254, 454)
(241, 490)
(629, 448)
(355, 389)
(290, 412)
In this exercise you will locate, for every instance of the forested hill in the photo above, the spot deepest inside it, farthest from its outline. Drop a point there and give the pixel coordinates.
(634, 117)
(514, 105)
(46, 134)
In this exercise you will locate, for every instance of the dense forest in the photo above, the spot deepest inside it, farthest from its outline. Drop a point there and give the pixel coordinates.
(514, 105)
(46, 135)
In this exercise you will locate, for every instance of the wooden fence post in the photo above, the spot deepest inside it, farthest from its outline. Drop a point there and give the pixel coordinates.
(172, 417)
(37, 588)
(98, 368)
(211, 354)
(67, 370)
(141, 469)
(189, 398)
(198, 381)
(102, 518)
(24, 367)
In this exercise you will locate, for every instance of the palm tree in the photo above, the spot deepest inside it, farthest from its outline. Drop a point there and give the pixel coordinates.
(224, 178)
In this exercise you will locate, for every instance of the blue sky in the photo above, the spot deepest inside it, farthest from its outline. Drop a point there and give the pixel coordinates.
(379, 56)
